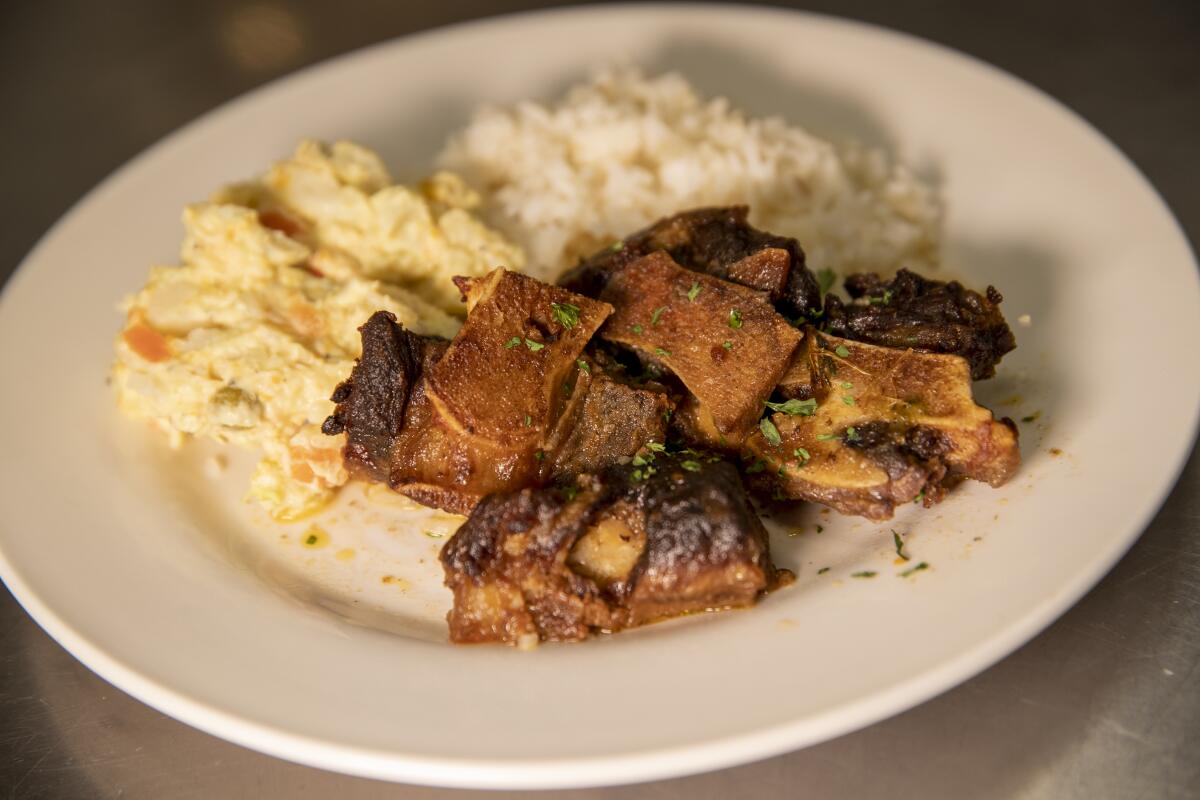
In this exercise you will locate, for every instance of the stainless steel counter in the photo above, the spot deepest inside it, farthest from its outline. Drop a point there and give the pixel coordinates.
(1106, 703)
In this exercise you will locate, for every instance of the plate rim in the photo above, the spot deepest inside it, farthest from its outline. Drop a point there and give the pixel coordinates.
(565, 772)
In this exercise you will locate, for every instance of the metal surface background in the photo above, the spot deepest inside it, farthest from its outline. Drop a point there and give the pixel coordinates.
(1106, 703)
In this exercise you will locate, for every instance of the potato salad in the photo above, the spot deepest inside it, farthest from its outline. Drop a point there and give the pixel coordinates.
(244, 341)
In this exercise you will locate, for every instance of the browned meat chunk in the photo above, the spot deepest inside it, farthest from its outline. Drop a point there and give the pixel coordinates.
(608, 417)
(509, 403)
(912, 311)
(607, 553)
(373, 401)
(881, 425)
(717, 242)
(723, 341)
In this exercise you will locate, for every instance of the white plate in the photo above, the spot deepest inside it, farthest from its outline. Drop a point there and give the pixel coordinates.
(160, 580)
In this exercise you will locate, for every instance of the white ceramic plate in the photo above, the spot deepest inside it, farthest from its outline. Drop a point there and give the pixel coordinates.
(163, 582)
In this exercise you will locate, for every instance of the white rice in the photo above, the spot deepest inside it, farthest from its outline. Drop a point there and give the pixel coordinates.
(623, 150)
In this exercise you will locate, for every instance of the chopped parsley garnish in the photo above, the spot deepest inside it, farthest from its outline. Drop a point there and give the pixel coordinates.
(690, 466)
(1032, 417)
(758, 466)
(583, 365)
(802, 455)
(825, 279)
(735, 318)
(847, 385)
(661, 353)
(311, 540)
(528, 420)
(804, 408)
(636, 329)
(566, 314)
(657, 447)
(825, 437)
(920, 497)
(570, 491)
(539, 455)
(657, 313)
(617, 246)
(433, 534)
(694, 292)
(848, 399)
(842, 351)
(728, 345)
(513, 342)
(769, 431)
(533, 346)
(852, 435)
(820, 529)
(899, 545)
(822, 570)
(866, 573)
(640, 461)
(880, 300)
(913, 569)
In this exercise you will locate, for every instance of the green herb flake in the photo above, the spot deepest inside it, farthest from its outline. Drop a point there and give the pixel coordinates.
(658, 312)
(847, 385)
(769, 432)
(880, 300)
(899, 544)
(617, 247)
(637, 475)
(566, 314)
(433, 534)
(842, 351)
(311, 540)
(825, 279)
(540, 455)
(735, 318)
(820, 529)
(1032, 417)
(852, 435)
(920, 497)
(917, 568)
(866, 573)
(803, 408)
(528, 420)
(639, 461)
(802, 455)
(728, 345)
(657, 447)
(848, 399)
(758, 466)
(825, 437)
(661, 353)
(513, 342)
(822, 570)
(690, 466)
(570, 491)
(636, 329)
(583, 365)
(533, 346)
(694, 292)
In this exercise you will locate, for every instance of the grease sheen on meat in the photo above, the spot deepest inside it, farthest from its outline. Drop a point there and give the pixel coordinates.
(912, 311)
(717, 242)
(448, 423)
(885, 425)
(608, 553)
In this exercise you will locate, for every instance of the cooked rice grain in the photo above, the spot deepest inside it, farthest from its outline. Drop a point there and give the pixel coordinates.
(623, 150)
